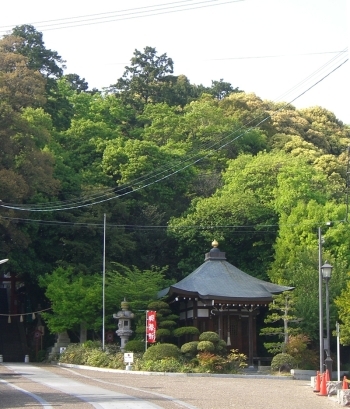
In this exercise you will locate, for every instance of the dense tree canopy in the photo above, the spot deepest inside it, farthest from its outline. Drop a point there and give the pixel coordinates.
(173, 165)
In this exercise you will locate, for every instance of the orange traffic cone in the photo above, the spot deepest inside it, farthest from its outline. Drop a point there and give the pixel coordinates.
(317, 382)
(327, 376)
(323, 388)
(345, 383)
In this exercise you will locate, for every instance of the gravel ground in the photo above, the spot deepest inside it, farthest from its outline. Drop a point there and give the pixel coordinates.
(174, 391)
(219, 392)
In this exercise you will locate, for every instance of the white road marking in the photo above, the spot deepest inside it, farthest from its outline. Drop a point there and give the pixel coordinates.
(98, 397)
(43, 402)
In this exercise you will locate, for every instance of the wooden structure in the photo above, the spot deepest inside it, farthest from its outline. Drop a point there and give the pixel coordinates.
(219, 297)
(9, 282)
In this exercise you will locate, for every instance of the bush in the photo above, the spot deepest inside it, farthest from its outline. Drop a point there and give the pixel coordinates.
(116, 361)
(166, 324)
(209, 336)
(282, 362)
(297, 347)
(190, 348)
(236, 361)
(158, 305)
(221, 347)
(161, 351)
(162, 332)
(135, 346)
(210, 362)
(74, 354)
(112, 348)
(97, 357)
(91, 344)
(206, 346)
(163, 365)
(179, 332)
(172, 317)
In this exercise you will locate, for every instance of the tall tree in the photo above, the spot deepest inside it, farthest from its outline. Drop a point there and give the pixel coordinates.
(146, 79)
(221, 89)
(51, 65)
(77, 83)
(39, 58)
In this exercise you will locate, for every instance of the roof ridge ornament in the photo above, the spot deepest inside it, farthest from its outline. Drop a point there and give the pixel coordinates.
(215, 253)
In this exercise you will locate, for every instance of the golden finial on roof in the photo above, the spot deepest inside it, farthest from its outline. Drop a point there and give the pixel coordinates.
(214, 243)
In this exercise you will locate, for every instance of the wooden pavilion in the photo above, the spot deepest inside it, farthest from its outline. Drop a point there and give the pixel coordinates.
(219, 297)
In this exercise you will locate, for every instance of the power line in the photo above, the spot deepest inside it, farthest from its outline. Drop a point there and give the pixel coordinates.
(142, 227)
(254, 57)
(128, 14)
(100, 14)
(161, 174)
(247, 57)
(256, 228)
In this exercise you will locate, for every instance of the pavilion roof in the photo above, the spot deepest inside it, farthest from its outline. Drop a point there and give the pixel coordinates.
(217, 279)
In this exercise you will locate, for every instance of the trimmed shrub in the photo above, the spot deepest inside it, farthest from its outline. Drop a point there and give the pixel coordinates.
(190, 348)
(205, 346)
(134, 346)
(158, 305)
(172, 317)
(221, 347)
(209, 336)
(161, 351)
(164, 312)
(163, 332)
(166, 324)
(282, 362)
(179, 332)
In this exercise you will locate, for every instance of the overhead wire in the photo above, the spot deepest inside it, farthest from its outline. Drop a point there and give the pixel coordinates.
(235, 228)
(157, 10)
(134, 226)
(162, 173)
(100, 14)
(314, 73)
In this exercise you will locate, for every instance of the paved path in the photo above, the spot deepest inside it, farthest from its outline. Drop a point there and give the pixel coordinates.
(48, 386)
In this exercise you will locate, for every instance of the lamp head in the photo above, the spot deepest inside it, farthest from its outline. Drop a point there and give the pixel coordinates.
(4, 260)
(326, 270)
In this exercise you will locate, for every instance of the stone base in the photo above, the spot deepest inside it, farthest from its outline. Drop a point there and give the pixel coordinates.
(343, 397)
(62, 342)
(302, 374)
(264, 369)
(333, 387)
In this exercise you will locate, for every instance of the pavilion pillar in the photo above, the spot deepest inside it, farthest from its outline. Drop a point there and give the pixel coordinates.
(195, 313)
(251, 340)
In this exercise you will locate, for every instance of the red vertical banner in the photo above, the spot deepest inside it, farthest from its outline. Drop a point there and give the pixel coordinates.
(151, 326)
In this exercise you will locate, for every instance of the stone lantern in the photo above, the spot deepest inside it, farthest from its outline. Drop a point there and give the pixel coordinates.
(124, 318)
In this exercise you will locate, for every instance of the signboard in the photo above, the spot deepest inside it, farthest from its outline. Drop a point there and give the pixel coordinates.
(129, 358)
(151, 326)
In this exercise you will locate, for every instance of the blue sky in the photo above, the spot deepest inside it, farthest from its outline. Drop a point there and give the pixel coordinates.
(274, 48)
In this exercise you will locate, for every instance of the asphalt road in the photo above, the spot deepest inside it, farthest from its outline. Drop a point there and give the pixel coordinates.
(48, 386)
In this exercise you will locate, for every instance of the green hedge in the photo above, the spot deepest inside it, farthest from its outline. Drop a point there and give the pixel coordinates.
(161, 351)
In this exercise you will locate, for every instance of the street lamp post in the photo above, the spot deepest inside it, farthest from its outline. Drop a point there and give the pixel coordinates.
(326, 274)
(320, 304)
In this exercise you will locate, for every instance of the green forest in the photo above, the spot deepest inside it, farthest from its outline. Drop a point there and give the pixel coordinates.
(173, 165)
